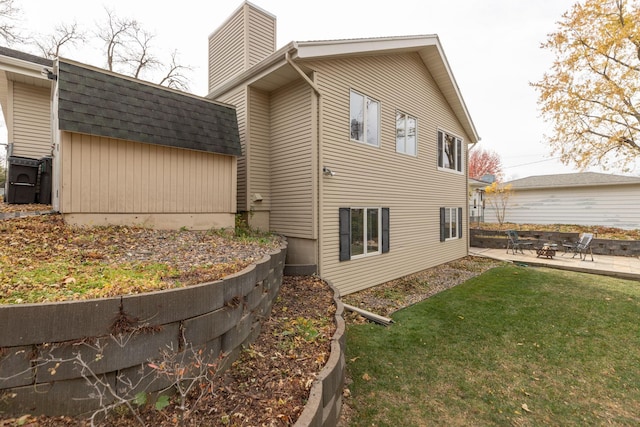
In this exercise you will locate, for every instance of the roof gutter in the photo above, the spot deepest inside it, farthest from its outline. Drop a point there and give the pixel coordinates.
(19, 66)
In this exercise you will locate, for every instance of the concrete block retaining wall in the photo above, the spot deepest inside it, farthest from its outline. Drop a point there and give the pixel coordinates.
(43, 346)
(498, 239)
(325, 398)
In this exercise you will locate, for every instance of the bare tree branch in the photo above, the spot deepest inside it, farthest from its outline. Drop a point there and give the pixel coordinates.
(9, 13)
(64, 34)
(175, 77)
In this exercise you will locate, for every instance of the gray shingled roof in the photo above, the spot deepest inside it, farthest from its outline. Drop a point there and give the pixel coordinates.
(104, 104)
(5, 51)
(583, 179)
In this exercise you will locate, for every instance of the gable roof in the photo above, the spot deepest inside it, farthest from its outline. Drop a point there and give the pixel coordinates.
(98, 102)
(582, 179)
(427, 46)
(478, 183)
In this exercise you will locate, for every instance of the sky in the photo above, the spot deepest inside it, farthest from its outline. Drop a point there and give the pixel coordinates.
(492, 46)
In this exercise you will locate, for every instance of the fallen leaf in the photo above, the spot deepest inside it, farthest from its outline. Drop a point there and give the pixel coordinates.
(69, 280)
(366, 377)
(526, 408)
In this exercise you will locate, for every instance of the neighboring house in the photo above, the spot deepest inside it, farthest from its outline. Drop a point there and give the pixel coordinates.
(25, 97)
(476, 200)
(355, 150)
(586, 198)
(124, 151)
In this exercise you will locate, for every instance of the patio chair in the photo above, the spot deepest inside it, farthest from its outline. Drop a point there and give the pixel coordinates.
(514, 242)
(583, 246)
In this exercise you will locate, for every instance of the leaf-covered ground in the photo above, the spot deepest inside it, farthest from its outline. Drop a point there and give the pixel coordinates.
(267, 386)
(42, 259)
(601, 231)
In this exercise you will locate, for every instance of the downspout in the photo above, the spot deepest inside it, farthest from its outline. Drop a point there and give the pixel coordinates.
(320, 193)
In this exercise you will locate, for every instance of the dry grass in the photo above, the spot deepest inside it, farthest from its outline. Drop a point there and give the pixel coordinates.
(600, 231)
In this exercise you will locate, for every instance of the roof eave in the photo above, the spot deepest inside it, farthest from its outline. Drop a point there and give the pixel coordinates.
(20, 66)
(429, 48)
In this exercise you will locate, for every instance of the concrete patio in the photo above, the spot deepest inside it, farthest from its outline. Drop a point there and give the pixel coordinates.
(616, 266)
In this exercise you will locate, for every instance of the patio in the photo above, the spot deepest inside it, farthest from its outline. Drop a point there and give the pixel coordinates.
(616, 266)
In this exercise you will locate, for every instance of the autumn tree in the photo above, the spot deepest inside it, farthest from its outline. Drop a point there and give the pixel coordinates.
(498, 196)
(483, 162)
(591, 94)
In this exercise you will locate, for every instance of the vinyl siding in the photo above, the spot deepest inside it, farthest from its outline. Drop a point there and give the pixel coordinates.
(611, 206)
(412, 187)
(259, 180)
(31, 121)
(292, 167)
(261, 36)
(245, 39)
(227, 50)
(238, 99)
(103, 175)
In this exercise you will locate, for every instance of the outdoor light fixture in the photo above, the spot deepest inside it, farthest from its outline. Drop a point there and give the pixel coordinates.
(327, 172)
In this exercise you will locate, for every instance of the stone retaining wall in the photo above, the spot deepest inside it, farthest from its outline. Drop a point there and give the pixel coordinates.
(43, 347)
(498, 240)
(325, 398)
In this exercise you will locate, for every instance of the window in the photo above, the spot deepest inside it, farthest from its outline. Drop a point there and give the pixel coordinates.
(406, 129)
(450, 223)
(363, 232)
(364, 119)
(449, 152)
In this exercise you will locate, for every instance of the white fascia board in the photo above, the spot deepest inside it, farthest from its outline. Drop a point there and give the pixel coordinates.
(318, 49)
(19, 66)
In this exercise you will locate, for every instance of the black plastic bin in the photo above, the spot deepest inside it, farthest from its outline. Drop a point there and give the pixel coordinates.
(23, 177)
(46, 168)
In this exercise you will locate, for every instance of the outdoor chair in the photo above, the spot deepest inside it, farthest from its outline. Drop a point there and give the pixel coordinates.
(514, 243)
(581, 247)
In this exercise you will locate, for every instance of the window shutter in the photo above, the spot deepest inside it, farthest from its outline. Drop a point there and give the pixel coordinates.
(345, 234)
(459, 223)
(385, 230)
(440, 148)
(442, 238)
(459, 150)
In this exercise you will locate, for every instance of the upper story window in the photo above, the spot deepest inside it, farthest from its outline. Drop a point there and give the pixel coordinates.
(449, 151)
(364, 119)
(406, 134)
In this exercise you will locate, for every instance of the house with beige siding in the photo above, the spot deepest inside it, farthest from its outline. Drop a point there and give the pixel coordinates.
(355, 150)
(586, 198)
(25, 98)
(123, 151)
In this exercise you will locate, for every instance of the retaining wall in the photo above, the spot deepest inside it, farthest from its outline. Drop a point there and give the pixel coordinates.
(498, 240)
(325, 397)
(43, 346)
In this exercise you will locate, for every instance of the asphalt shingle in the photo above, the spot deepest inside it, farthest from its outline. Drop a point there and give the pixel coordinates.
(104, 104)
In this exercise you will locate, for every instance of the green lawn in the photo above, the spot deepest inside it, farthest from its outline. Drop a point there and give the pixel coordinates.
(515, 346)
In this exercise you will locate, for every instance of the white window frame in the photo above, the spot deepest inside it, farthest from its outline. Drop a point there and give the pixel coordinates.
(459, 154)
(403, 149)
(365, 119)
(365, 229)
(453, 226)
